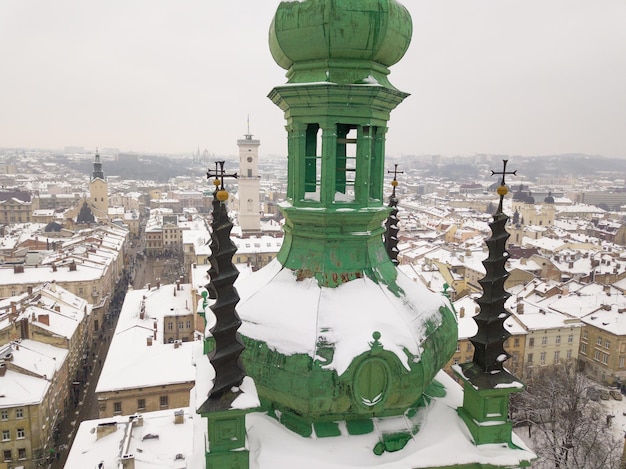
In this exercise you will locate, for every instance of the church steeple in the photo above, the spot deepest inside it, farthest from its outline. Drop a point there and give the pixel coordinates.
(99, 190)
(97, 168)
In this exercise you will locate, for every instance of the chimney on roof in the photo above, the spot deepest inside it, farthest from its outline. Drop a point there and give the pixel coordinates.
(18, 269)
(520, 308)
(128, 461)
(179, 416)
(45, 318)
(73, 266)
(149, 341)
(137, 420)
(570, 265)
(158, 280)
(462, 312)
(24, 329)
(13, 307)
(149, 286)
(30, 289)
(177, 343)
(54, 268)
(57, 308)
(606, 307)
(177, 284)
(3, 368)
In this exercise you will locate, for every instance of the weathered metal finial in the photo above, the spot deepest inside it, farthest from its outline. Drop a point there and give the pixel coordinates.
(391, 225)
(502, 190)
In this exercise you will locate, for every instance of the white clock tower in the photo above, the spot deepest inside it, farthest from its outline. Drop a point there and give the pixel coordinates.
(249, 207)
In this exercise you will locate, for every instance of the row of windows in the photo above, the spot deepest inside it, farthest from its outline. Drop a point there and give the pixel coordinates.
(543, 356)
(141, 404)
(170, 325)
(8, 454)
(544, 340)
(20, 434)
(4, 414)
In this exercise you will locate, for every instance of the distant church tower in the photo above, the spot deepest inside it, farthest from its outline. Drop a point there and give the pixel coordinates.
(99, 189)
(249, 208)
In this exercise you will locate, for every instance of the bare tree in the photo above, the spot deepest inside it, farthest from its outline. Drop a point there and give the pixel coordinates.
(569, 430)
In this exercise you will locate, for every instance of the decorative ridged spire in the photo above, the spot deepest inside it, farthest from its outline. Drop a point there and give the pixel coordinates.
(213, 242)
(391, 225)
(489, 353)
(225, 358)
(97, 168)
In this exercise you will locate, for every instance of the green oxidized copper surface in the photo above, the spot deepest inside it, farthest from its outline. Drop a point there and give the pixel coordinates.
(337, 104)
(376, 384)
(339, 41)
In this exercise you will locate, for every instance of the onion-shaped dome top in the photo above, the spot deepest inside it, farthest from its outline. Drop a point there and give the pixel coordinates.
(322, 30)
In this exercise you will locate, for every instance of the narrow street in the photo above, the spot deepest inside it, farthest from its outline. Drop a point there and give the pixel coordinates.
(144, 271)
(87, 407)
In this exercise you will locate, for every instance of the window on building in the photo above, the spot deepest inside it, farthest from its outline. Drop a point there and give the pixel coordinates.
(557, 339)
(81, 291)
(516, 342)
(530, 359)
(7, 455)
(170, 325)
(458, 347)
(163, 401)
(19, 413)
(583, 349)
(531, 342)
(6, 435)
(607, 344)
(621, 362)
(585, 335)
(180, 324)
(4, 415)
(117, 407)
(21, 433)
(605, 358)
(596, 355)
(188, 324)
(456, 361)
(544, 340)
(542, 358)
(141, 404)
(570, 339)
(569, 354)
(599, 341)
(469, 346)
(557, 356)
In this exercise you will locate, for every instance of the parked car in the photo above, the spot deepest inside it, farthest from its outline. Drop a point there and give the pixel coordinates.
(593, 394)
(615, 394)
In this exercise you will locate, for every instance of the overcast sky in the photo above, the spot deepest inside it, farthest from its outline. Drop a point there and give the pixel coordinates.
(509, 77)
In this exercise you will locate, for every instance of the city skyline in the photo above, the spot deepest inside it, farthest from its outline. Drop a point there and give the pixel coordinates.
(485, 77)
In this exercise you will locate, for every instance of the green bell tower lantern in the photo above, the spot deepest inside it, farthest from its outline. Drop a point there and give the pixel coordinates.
(334, 333)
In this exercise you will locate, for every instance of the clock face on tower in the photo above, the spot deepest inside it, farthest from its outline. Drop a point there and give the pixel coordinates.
(249, 159)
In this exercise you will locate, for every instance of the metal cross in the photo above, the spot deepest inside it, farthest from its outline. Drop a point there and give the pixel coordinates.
(219, 173)
(395, 171)
(503, 172)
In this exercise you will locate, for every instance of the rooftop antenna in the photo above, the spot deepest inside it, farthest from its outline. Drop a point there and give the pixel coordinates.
(248, 135)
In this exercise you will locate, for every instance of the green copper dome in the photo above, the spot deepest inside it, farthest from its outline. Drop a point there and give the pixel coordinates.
(325, 34)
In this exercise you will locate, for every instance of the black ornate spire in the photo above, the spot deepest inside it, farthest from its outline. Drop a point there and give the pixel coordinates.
(225, 358)
(97, 168)
(487, 366)
(391, 225)
(213, 242)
